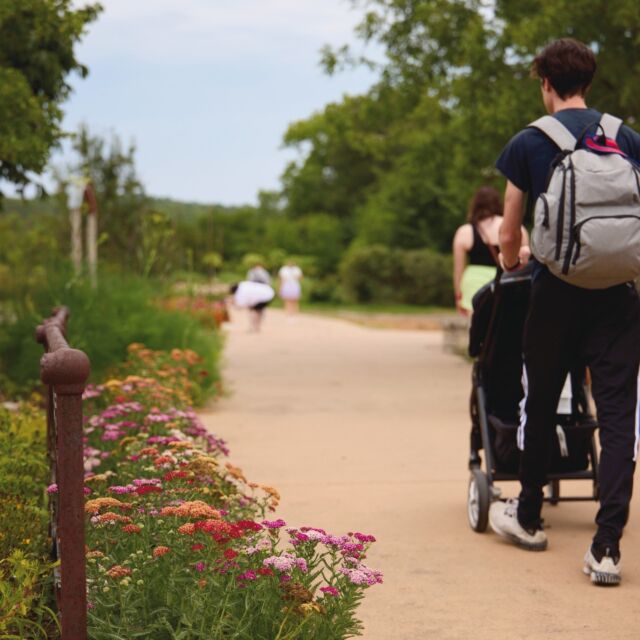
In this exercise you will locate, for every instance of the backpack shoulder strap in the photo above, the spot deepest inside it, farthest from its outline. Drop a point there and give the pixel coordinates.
(556, 131)
(610, 125)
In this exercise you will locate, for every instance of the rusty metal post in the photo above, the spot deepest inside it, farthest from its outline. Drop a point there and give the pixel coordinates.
(66, 371)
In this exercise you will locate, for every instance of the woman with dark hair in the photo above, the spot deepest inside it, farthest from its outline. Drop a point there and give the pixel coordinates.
(475, 247)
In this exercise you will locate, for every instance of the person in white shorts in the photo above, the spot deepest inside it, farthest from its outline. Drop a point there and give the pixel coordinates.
(290, 275)
(254, 296)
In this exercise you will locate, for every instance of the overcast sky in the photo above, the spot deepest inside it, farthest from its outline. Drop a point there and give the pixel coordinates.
(206, 88)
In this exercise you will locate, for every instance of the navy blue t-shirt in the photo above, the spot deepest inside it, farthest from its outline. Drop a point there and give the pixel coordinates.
(527, 158)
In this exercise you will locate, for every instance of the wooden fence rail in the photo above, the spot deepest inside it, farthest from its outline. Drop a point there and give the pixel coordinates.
(65, 372)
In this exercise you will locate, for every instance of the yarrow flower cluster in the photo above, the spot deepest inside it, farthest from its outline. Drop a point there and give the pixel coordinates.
(286, 562)
(167, 513)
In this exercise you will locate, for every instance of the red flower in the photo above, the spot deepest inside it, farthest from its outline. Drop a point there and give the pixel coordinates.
(265, 571)
(230, 554)
(248, 525)
(197, 547)
(148, 488)
(172, 475)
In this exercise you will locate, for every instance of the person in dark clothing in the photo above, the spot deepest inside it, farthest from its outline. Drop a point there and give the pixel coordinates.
(600, 327)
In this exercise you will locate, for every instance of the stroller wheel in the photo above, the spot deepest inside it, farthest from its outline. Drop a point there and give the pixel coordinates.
(478, 501)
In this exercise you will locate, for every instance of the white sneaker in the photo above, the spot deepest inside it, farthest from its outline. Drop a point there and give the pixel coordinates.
(606, 572)
(503, 517)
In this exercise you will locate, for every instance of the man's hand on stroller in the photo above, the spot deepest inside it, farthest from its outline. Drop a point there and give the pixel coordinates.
(523, 257)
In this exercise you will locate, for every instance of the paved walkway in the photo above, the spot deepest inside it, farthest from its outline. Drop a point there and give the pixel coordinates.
(366, 429)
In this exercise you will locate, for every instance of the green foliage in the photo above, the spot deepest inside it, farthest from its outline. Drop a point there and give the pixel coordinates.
(398, 165)
(382, 275)
(104, 322)
(25, 573)
(25, 588)
(23, 476)
(37, 40)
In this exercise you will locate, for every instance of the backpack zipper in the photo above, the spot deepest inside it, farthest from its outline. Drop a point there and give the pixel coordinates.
(545, 219)
(578, 228)
(560, 221)
(572, 219)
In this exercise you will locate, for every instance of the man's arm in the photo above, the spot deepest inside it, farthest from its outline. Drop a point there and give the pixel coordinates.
(511, 228)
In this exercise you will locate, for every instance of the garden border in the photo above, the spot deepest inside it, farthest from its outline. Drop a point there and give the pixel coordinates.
(65, 372)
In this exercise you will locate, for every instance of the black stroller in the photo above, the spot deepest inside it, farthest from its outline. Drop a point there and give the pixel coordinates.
(496, 332)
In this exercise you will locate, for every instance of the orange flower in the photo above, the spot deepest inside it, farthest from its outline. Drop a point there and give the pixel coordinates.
(148, 451)
(95, 554)
(236, 472)
(182, 444)
(131, 528)
(187, 529)
(112, 517)
(160, 460)
(191, 509)
(160, 551)
(94, 506)
(118, 571)
(202, 583)
(274, 493)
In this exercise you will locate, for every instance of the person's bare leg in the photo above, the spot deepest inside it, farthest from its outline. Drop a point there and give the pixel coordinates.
(259, 315)
(254, 320)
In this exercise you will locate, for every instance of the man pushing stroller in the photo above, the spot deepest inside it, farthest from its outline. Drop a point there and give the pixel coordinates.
(579, 167)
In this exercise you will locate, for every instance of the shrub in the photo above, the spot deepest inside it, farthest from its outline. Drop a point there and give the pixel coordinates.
(325, 289)
(371, 274)
(380, 274)
(25, 572)
(427, 278)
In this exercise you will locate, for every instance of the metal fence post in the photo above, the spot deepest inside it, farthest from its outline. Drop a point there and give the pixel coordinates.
(66, 371)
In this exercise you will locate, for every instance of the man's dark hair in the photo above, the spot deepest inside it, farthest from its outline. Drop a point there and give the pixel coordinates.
(234, 287)
(569, 66)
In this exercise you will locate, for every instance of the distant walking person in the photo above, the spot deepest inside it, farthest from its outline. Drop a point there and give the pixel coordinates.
(475, 247)
(259, 274)
(290, 276)
(579, 168)
(254, 296)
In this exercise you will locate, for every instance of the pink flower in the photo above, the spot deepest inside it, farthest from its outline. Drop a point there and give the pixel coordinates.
(362, 575)
(274, 524)
(332, 591)
(200, 567)
(52, 488)
(362, 537)
(119, 490)
(286, 562)
(87, 491)
(247, 575)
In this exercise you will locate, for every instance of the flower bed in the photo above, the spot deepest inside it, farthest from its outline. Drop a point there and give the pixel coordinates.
(181, 545)
(210, 313)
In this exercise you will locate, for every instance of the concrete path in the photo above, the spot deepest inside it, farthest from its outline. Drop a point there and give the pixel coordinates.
(366, 429)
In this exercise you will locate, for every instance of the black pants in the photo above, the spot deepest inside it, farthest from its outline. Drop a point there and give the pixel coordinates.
(601, 329)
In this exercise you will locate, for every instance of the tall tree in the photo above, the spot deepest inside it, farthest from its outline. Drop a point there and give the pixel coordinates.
(456, 73)
(37, 40)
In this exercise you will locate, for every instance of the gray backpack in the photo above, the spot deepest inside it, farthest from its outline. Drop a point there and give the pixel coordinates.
(587, 223)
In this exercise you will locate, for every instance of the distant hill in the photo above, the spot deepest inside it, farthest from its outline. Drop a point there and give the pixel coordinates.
(181, 210)
(173, 208)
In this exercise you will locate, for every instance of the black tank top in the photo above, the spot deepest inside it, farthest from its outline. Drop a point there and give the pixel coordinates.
(480, 253)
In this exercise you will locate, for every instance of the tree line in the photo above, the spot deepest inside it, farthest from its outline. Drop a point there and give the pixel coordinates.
(393, 168)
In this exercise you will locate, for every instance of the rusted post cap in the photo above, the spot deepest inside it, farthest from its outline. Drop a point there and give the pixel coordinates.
(67, 370)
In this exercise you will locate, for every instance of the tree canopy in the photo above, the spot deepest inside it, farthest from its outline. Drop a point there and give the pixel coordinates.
(37, 40)
(399, 164)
